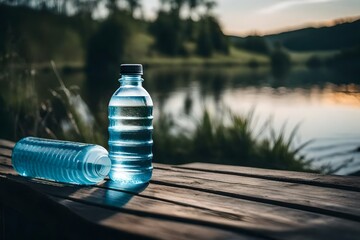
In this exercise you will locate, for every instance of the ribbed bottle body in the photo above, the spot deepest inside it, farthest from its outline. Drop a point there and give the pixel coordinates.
(61, 161)
(130, 135)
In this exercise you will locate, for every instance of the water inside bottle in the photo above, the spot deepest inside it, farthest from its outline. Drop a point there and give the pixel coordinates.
(130, 139)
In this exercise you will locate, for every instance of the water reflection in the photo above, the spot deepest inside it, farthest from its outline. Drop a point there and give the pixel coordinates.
(345, 95)
(188, 102)
(326, 102)
(164, 83)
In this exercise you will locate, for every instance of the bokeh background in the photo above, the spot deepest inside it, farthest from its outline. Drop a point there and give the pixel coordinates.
(272, 84)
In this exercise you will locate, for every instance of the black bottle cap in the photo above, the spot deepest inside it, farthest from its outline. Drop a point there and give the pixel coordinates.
(131, 69)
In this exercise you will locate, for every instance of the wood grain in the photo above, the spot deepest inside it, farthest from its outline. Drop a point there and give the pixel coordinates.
(192, 201)
(339, 182)
(339, 203)
(6, 144)
(52, 216)
(152, 227)
(170, 204)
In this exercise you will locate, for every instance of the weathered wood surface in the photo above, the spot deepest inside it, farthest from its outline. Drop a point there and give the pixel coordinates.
(192, 201)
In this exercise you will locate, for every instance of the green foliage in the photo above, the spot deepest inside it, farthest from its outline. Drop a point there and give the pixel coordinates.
(219, 40)
(62, 115)
(255, 44)
(133, 5)
(106, 48)
(204, 44)
(167, 30)
(41, 36)
(314, 62)
(171, 32)
(341, 36)
(277, 152)
(22, 113)
(234, 142)
(164, 140)
(80, 121)
(280, 63)
(224, 139)
(253, 63)
(211, 38)
(347, 61)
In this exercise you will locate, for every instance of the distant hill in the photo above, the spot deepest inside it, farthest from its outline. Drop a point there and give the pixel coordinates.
(341, 36)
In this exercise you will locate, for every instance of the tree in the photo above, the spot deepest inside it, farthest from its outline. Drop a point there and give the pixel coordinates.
(193, 5)
(211, 37)
(190, 31)
(256, 44)
(280, 63)
(218, 38)
(204, 41)
(209, 6)
(106, 48)
(133, 6)
(85, 7)
(168, 32)
(177, 4)
(112, 5)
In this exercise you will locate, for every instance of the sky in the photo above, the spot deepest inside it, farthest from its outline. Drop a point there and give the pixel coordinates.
(245, 17)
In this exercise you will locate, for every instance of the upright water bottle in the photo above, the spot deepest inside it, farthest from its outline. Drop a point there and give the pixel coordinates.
(130, 128)
(61, 161)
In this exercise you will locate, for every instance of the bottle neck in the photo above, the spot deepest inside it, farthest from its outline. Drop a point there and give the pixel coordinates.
(131, 80)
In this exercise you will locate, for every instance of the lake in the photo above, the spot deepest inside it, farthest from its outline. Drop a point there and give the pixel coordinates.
(324, 103)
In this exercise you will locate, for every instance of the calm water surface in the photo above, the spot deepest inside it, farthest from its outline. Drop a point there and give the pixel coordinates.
(326, 104)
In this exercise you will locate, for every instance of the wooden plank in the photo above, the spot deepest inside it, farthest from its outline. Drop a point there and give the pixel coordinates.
(37, 205)
(142, 207)
(331, 181)
(262, 217)
(292, 195)
(244, 205)
(339, 203)
(153, 227)
(148, 225)
(5, 153)
(339, 182)
(185, 205)
(286, 194)
(6, 144)
(5, 161)
(130, 225)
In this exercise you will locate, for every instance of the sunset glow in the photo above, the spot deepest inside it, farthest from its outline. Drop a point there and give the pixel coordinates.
(244, 17)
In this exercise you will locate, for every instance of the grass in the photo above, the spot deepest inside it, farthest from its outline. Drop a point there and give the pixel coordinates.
(236, 57)
(229, 139)
(80, 119)
(139, 52)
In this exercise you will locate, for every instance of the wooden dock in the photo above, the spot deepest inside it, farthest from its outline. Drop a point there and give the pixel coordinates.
(192, 201)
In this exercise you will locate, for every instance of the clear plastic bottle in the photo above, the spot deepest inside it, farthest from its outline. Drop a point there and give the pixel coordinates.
(61, 161)
(130, 128)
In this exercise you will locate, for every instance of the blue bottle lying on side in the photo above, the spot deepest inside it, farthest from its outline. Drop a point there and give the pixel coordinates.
(61, 161)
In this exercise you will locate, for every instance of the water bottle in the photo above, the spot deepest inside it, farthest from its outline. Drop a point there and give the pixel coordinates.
(130, 128)
(61, 161)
